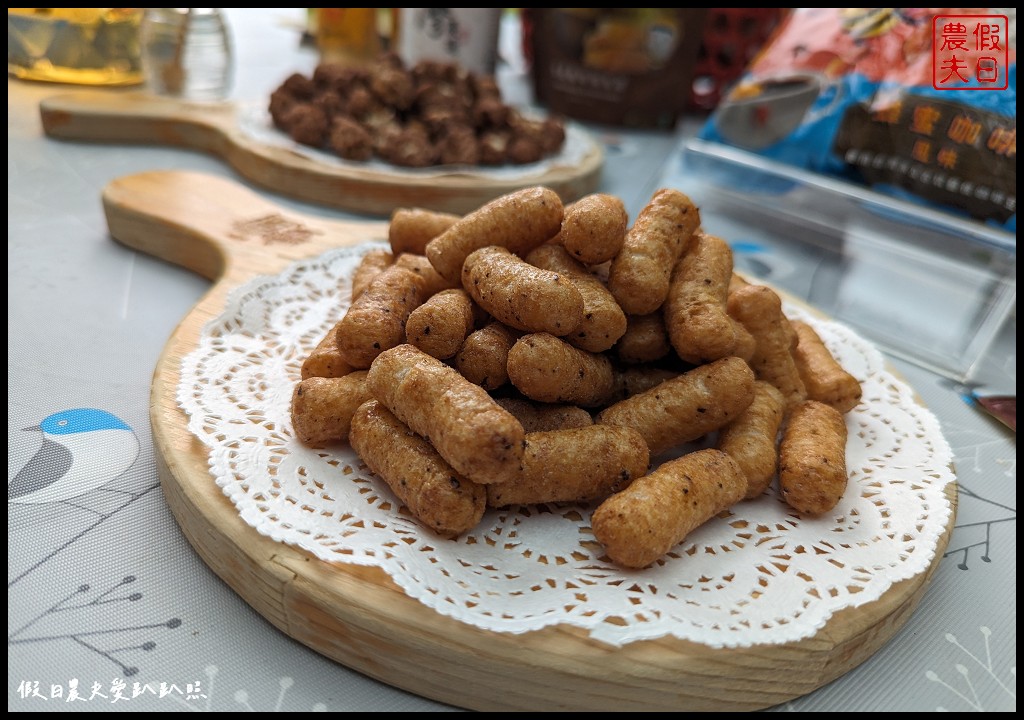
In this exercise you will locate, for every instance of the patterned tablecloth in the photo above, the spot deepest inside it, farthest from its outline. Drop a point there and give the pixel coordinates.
(109, 606)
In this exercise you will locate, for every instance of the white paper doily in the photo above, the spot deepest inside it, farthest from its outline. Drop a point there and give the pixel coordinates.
(760, 576)
(255, 122)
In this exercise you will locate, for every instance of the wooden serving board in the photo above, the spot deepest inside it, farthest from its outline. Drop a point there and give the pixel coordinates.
(357, 615)
(135, 117)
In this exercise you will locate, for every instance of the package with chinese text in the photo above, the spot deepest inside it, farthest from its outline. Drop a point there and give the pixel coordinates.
(919, 103)
(630, 67)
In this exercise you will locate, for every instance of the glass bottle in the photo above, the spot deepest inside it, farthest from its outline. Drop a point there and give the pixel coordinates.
(186, 53)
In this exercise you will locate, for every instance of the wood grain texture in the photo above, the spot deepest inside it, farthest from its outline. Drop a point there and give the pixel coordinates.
(135, 117)
(357, 615)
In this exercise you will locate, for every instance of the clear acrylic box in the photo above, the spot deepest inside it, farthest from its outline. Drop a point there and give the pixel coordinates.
(924, 285)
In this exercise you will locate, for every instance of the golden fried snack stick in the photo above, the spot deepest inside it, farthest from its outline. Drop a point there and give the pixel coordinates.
(824, 378)
(594, 228)
(686, 407)
(695, 310)
(640, 273)
(439, 326)
(373, 264)
(522, 295)
(483, 357)
(519, 221)
(812, 458)
(574, 465)
(376, 319)
(645, 339)
(543, 417)
(434, 493)
(759, 309)
(548, 369)
(326, 360)
(603, 321)
(752, 438)
(477, 437)
(322, 408)
(412, 228)
(655, 513)
(433, 282)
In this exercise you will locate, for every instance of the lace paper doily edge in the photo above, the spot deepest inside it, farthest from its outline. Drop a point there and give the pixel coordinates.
(409, 590)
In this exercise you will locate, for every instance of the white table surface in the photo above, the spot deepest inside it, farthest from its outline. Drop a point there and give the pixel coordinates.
(105, 594)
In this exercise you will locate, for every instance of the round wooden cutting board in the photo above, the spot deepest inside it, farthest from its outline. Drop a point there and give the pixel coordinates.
(357, 615)
(376, 189)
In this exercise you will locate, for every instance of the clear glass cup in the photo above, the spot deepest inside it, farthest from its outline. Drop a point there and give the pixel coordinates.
(186, 53)
(86, 46)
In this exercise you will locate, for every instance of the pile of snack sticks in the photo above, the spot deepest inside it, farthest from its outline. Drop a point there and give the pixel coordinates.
(531, 352)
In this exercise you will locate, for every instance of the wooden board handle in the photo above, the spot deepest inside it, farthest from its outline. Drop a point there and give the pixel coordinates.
(137, 118)
(216, 227)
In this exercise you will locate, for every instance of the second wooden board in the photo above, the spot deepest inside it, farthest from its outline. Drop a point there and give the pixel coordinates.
(371, 189)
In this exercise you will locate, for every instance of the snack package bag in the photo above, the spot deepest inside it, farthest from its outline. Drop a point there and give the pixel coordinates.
(918, 103)
(631, 67)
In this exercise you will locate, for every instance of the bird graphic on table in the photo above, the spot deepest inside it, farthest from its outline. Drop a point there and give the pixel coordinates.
(83, 448)
(63, 493)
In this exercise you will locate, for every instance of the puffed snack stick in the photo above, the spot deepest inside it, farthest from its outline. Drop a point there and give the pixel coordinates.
(640, 273)
(411, 229)
(594, 228)
(375, 321)
(752, 438)
(574, 465)
(825, 379)
(325, 360)
(548, 369)
(522, 295)
(372, 264)
(433, 282)
(483, 357)
(433, 492)
(657, 511)
(477, 437)
(684, 408)
(695, 310)
(812, 458)
(439, 326)
(759, 309)
(519, 221)
(603, 321)
(322, 408)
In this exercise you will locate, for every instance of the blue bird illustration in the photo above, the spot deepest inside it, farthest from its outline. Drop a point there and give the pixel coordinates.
(78, 480)
(83, 448)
